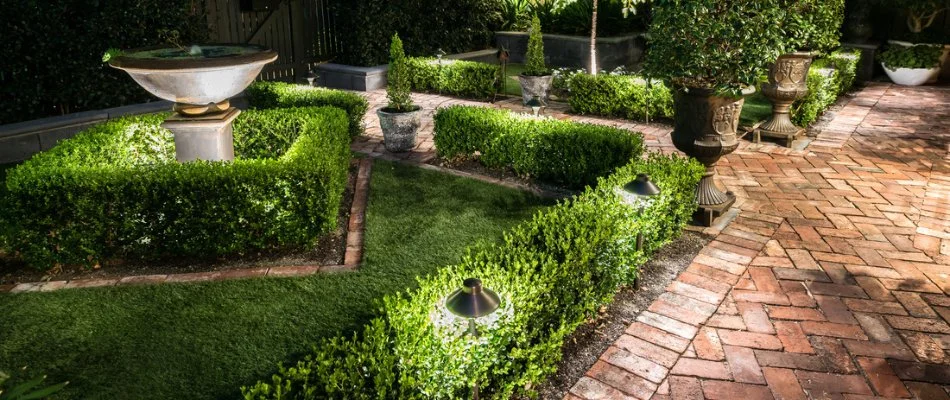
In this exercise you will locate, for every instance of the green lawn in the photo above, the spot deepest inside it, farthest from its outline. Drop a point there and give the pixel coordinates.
(203, 341)
(513, 84)
(757, 108)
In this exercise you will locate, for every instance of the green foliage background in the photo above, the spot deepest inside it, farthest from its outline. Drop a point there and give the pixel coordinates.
(52, 51)
(624, 96)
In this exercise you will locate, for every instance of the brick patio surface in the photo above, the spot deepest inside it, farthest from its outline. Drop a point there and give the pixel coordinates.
(831, 283)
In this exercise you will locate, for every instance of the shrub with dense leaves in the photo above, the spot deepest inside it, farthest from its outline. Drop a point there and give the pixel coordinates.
(454, 77)
(624, 96)
(713, 44)
(425, 25)
(552, 273)
(52, 51)
(284, 95)
(812, 25)
(915, 57)
(116, 190)
(534, 57)
(561, 152)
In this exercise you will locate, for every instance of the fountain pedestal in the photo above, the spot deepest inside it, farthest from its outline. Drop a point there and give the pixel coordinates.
(206, 137)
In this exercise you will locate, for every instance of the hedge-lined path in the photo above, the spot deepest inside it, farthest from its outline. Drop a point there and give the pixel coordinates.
(833, 281)
(353, 255)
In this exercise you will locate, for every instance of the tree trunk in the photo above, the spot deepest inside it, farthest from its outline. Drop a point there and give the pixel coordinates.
(593, 41)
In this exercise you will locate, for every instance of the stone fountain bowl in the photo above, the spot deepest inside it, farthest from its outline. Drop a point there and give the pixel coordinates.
(196, 75)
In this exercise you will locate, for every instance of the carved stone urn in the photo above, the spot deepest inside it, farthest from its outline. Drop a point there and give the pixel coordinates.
(788, 78)
(705, 129)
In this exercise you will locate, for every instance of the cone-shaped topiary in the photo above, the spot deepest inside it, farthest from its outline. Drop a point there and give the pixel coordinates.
(397, 90)
(534, 58)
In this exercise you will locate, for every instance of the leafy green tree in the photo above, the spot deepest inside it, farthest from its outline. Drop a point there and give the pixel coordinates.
(534, 58)
(398, 89)
(812, 25)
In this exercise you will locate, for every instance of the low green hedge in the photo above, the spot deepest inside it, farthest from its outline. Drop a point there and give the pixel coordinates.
(115, 190)
(561, 152)
(454, 77)
(624, 96)
(828, 78)
(552, 274)
(281, 94)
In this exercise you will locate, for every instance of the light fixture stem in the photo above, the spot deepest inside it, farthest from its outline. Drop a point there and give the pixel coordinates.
(474, 333)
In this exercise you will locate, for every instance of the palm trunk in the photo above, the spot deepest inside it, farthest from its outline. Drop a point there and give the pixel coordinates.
(593, 41)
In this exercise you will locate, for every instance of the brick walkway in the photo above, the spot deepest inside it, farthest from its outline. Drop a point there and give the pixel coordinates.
(831, 283)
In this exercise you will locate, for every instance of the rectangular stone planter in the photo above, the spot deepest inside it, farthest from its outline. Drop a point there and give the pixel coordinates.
(868, 65)
(20, 141)
(574, 51)
(350, 77)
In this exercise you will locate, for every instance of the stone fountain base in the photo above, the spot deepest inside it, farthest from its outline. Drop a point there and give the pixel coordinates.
(206, 137)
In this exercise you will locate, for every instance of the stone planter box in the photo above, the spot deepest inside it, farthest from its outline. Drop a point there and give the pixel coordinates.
(574, 51)
(350, 77)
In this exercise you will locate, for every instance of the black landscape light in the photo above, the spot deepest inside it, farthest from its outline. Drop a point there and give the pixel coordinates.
(472, 301)
(641, 189)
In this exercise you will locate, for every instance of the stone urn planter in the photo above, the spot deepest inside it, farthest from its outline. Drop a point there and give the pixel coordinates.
(199, 79)
(705, 129)
(911, 76)
(399, 128)
(535, 86)
(787, 83)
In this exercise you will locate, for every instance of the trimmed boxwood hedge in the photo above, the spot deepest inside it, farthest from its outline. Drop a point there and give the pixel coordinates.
(552, 274)
(624, 96)
(561, 152)
(454, 77)
(115, 190)
(281, 94)
(828, 78)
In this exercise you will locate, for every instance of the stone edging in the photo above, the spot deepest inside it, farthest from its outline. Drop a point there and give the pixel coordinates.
(351, 260)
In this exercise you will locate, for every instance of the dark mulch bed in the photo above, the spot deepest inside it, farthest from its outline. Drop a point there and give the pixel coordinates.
(585, 346)
(329, 250)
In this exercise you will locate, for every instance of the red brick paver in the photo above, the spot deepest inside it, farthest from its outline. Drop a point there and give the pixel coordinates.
(832, 282)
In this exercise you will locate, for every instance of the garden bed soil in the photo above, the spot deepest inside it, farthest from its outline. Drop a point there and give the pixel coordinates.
(583, 348)
(329, 250)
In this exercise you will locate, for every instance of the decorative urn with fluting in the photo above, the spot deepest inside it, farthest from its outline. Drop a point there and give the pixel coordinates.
(787, 83)
(708, 134)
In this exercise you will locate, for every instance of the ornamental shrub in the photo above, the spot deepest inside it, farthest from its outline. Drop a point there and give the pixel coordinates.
(454, 77)
(534, 57)
(920, 56)
(116, 190)
(397, 88)
(560, 152)
(713, 44)
(823, 84)
(624, 96)
(285, 95)
(846, 63)
(812, 25)
(425, 25)
(552, 273)
(52, 51)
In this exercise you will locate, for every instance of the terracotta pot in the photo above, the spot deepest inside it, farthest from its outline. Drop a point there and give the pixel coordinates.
(788, 78)
(535, 86)
(705, 129)
(399, 129)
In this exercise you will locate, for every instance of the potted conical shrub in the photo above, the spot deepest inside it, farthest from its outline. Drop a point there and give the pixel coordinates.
(400, 119)
(536, 79)
(811, 27)
(711, 52)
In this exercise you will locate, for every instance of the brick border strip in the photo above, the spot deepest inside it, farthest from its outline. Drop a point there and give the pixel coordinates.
(351, 259)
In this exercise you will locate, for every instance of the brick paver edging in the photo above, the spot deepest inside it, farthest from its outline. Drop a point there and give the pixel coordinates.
(352, 257)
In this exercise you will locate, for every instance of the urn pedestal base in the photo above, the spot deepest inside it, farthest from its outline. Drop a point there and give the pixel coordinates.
(780, 125)
(787, 83)
(206, 137)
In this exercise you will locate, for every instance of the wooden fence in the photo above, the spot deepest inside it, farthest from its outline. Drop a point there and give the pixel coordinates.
(301, 31)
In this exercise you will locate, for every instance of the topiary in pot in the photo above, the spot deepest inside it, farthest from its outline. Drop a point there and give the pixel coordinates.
(400, 119)
(911, 66)
(710, 51)
(536, 78)
(811, 27)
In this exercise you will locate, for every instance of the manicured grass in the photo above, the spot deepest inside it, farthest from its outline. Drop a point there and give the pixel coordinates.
(757, 108)
(513, 84)
(203, 341)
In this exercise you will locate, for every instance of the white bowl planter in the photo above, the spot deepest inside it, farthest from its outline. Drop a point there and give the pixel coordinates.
(911, 76)
(943, 56)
